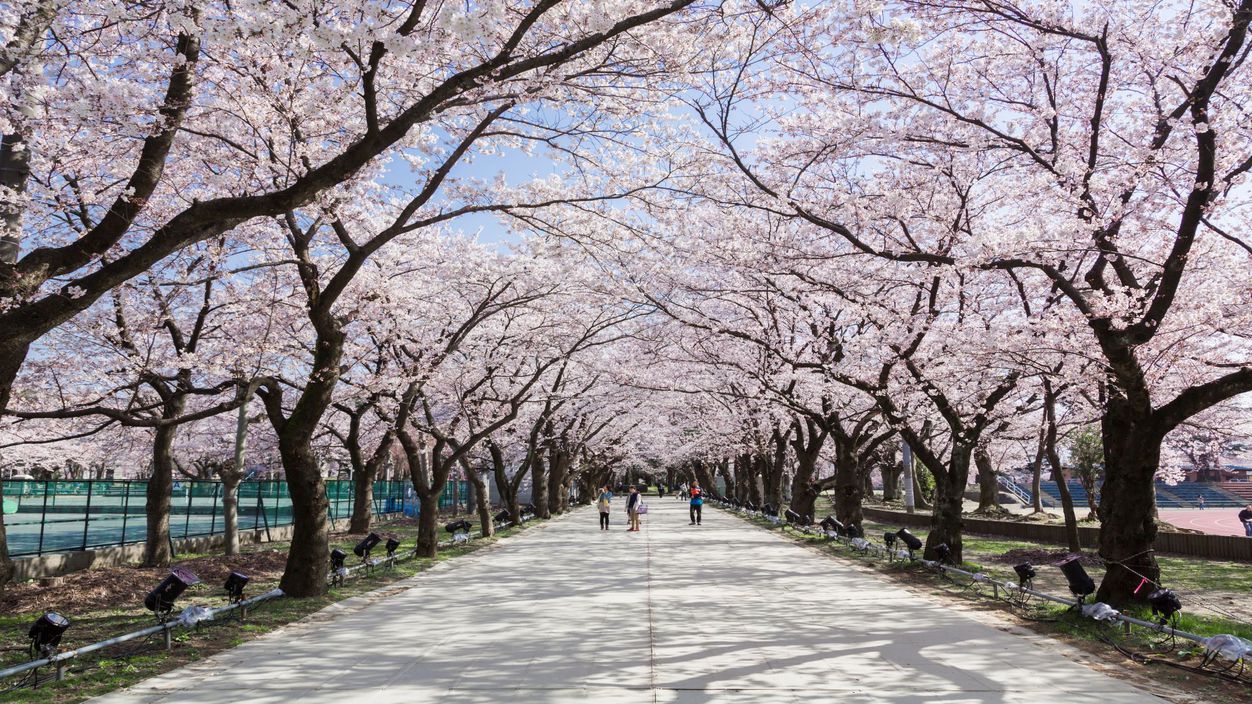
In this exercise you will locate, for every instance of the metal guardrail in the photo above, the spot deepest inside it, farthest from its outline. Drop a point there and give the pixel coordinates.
(1015, 489)
(190, 617)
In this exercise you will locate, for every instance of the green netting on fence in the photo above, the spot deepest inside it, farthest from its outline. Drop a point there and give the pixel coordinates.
(59, 516)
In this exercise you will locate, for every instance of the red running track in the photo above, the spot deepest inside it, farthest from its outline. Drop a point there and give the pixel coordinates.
(1214, 521)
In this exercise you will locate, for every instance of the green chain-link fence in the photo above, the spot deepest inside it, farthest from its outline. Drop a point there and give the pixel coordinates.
(59, 516)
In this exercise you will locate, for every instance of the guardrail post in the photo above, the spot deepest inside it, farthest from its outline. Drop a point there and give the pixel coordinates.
(87, 514)
(43, 517)
(125, 511)
(213, 515)
(191, 489)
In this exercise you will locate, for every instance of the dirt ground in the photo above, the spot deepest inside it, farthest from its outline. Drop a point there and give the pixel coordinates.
(98, 589)
(108, 587)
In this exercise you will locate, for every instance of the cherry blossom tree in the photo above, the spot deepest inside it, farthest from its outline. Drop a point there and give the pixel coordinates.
(180, 344)
(189, 120)
(1100, 161)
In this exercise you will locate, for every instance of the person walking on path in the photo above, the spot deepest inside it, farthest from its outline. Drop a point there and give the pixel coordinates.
(602, 504)
(697, 504)
(1245, 516)
(1200, 500)
(632, 509)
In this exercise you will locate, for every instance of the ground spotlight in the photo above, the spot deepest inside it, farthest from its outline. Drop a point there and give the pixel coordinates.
(235, 582)
(890, 539)
(337, 570)
(1025, 574)
(1080, 584)
(392, 545)
(831, 524)
(797, 519)
(45, 634)
(461, 526)
(160, 601)
(503, 516)
(367, 544)
(912, 542)
(944, 553)
(1165, 603)
(854, 530)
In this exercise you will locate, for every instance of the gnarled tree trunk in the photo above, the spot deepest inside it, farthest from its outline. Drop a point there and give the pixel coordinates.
(988, 489)
(307, 558)
(539, 485)
(1132, 456)
(848, 486)
(946, 524)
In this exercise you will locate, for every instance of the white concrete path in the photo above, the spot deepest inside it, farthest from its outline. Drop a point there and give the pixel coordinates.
(722, 612)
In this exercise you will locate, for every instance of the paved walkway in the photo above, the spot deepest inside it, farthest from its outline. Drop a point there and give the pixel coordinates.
(723, 612)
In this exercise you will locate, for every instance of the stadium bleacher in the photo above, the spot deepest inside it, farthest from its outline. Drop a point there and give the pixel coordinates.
(1182, 495)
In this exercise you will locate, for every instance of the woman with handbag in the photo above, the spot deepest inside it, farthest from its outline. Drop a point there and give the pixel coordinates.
(632, 509)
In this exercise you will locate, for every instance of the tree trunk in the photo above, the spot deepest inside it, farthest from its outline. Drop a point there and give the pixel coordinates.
(508, 490)
(539, 486)
(428, 525)
(743, 477)
(891, 482)
(988, 490)
(1067, 503)
(1132, 456)
(482, 501)
(703, 475)
(363, 483)
(307, 558)
(1088, 485)
(754, 479)
(946, 524)
(807, 443)
(558, 482)
(1036, 482)
(1058, 474)
(230, 511)
(919, 499)
(156, 548)
(6, 563)
(775, 471)
(362, 501)
(230, 481)
(848, 486)
(804, 487)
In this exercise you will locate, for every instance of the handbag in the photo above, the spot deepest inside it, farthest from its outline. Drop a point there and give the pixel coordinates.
(643, 508)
